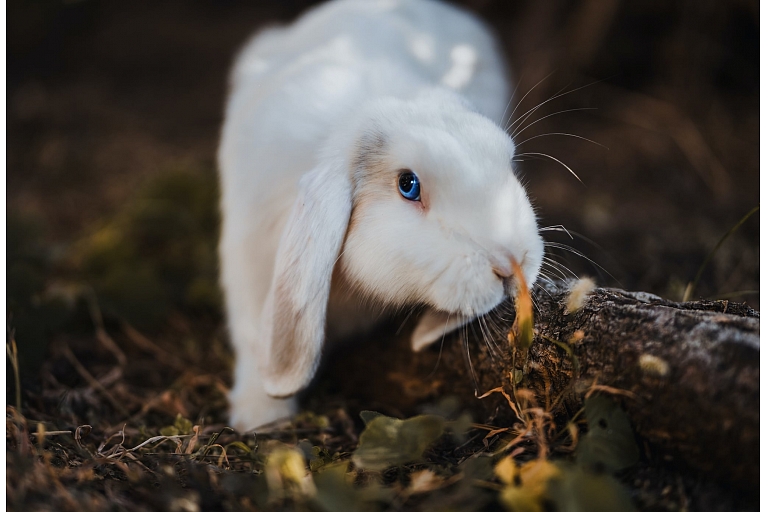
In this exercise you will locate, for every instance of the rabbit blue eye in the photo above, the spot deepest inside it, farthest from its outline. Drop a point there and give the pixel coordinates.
(409, 186)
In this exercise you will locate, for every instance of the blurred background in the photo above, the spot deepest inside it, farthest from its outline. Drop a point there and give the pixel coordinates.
(114, 109)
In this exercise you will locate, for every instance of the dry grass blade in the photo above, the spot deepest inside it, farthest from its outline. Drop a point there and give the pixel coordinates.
(595, 387)
(654, 114)
(92, 381)
(511, 402)
(522, 330)
(147, 345)
(12, 352)
(176, 439)
(45, 433)
(101, 333)
(106, 340)
(193, 441)
(692, 285)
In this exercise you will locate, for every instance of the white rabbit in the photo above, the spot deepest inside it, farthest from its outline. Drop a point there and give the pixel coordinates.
(359, 172)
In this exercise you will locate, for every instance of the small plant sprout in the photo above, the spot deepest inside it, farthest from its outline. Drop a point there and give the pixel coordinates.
(652, 365)
(578, 295)
(688, 294)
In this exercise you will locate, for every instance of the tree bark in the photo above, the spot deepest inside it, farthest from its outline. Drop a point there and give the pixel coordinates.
(692, 370)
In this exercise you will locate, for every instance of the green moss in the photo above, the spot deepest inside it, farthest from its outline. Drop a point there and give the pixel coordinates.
(159, 252)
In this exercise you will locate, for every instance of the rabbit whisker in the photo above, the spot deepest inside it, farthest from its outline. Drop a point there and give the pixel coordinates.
(468, 357)
(523, 98)
(532, 110)
(541, 286)
(488, 337)
(442, 343)
(533, 297)
(499, 330)
(521, 128)
(405, 320)
(575, 234)
(511, 97)
(557, 261)
(563, 134)
(534, 301)
(485, 337)
(557, 227)
(556, 160)
(563, 247)
(559, 94)
(558, 267)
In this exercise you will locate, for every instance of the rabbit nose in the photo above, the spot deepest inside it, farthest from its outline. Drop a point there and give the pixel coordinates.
(503, 265)
(503, 268)
(503, 271)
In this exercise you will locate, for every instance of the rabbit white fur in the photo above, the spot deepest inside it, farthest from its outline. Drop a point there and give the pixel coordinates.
(323, 116)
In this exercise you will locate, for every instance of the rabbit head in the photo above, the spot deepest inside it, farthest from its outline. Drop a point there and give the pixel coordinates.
(414, 203)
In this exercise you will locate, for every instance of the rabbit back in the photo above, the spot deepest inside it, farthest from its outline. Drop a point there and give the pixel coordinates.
(297, 81)
(432, 41)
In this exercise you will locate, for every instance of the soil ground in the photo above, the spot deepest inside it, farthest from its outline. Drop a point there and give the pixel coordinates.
(106, 99)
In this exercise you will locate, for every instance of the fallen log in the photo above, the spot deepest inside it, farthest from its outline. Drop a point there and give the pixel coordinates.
(688, 373)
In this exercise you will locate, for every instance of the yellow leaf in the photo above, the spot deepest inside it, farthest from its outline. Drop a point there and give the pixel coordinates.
(535, 474)
(523, 326)
(285, 469)
(526, 485)
(520, 499)
(506, 470)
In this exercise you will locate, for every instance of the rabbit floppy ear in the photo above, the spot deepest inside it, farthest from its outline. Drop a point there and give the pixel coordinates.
(433, 325)
(301, 283)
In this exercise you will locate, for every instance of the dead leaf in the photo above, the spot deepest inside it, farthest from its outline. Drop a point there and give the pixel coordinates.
(424, 481)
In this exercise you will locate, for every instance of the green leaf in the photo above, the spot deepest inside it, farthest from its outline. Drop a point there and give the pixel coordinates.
(477, 468)
(368, 416)
(240, 446)
(182, 424)
(576, 490)
(334, 492)
(388, 442)
(461, 426)
(448, 407)
(610, 442)
(316, 464)
(170, 430)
